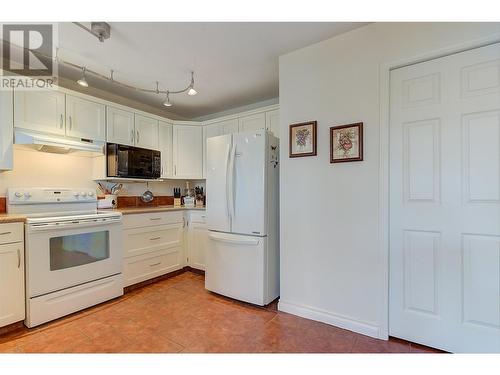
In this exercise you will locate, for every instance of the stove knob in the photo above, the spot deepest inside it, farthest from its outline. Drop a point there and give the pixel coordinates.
(18, 194)
(76, 194)
(91, 193)
(83, 194)
(27, 195)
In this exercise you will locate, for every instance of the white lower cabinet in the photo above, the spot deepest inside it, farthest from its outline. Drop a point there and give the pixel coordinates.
(12, 303)
(153, 245)
(197, 240)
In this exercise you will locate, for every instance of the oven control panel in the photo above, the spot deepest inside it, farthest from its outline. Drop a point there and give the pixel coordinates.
(50, 195)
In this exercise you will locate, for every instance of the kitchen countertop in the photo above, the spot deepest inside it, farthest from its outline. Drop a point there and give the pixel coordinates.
(143, 210)
(11, 218)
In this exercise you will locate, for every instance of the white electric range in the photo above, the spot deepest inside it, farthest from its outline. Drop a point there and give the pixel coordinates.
(73, 252)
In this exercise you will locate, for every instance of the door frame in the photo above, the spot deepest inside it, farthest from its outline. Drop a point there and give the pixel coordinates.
(384, 161)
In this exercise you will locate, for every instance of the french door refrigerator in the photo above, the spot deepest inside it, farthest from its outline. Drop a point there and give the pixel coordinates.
(242, 211)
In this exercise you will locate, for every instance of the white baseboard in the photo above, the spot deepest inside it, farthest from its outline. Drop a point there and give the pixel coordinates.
(331, 318)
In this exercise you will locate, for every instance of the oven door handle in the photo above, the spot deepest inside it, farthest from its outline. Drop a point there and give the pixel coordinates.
(71, 224)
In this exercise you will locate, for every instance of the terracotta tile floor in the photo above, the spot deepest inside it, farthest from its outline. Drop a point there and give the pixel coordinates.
(179, 315)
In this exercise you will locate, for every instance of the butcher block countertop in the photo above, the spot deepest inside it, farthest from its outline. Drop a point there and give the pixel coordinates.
(11, 218)
(144, 210)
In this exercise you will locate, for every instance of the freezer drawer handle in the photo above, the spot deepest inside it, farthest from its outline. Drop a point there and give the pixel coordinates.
(154, 238)
(248, 242)
(5, 233)
(155, 264)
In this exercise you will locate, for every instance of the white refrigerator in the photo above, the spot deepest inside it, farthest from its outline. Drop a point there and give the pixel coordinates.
(242, 211)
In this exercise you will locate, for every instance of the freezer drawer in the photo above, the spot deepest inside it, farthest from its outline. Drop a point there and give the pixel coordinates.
(236, 267)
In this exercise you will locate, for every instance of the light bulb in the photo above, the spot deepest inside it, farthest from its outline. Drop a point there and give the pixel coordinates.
(82, 81)
(167, 103)
(192, 91)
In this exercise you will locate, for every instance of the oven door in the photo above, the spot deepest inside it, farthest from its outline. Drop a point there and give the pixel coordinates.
(64, 254)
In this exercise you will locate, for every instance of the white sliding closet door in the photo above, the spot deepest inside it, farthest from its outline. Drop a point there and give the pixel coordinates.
(445, 202)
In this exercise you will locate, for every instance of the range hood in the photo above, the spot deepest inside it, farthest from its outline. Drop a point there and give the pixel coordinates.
(57, 144)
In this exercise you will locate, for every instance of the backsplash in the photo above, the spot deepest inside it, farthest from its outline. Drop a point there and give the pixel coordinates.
(40, 169)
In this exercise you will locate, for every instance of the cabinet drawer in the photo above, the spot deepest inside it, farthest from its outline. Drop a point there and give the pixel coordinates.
(139, 241)
(148, 219)
(141, 268)
(11, 232)
(198, 217)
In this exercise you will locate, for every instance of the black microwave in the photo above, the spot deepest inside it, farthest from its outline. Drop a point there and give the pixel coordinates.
(132, 162)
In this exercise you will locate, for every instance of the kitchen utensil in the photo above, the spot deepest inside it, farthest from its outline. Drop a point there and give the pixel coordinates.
(147, 196)
(116, 188)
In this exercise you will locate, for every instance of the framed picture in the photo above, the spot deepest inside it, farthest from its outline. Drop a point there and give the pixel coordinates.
(346, 143)
(303, 139)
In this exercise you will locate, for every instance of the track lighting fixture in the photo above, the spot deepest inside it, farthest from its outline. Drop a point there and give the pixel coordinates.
(83, 81)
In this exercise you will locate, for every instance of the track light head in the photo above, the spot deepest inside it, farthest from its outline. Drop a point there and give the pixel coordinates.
(83, 81)
(167, 103)
(191, 90)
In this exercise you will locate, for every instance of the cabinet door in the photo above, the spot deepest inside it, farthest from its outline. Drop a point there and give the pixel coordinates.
(188, 151)
(146, 132)
(11, 283)
(198, 244)
(165, 142)
(85, 119)
(229, 126)
(212, 130)
(253, 122)
(273, 122)
(42, 111)
(6, 135)
(120, 126)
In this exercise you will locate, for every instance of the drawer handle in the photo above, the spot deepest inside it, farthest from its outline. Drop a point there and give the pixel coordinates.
(154, 238)
(155, 264)
(18, 258)
(155, 218)
(5, 233)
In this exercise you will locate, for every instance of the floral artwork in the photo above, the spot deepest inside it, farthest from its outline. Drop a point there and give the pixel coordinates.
(303, 139)
(346, 143)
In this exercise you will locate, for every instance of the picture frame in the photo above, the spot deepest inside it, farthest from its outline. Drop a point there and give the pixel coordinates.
(346, 143)
(303, 139)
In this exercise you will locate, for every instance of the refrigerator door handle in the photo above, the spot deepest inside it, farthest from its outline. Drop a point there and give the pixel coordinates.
(232, 240)
(231, 182)
(227, 163)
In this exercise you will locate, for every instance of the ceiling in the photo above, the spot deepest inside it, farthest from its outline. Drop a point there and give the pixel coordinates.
(235, 64)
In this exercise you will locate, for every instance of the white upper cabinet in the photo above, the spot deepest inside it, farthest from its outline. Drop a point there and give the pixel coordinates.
(85, 119)
(42, 111)
(146, 132)
(165, 143)
(214, 130)
(6, 131)
(120, 126)
(252, 122)
(229, 126)
(273, 122)
(188, 151)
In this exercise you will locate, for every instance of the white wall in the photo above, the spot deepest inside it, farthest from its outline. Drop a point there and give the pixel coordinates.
(332, 268)
(41, 169)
